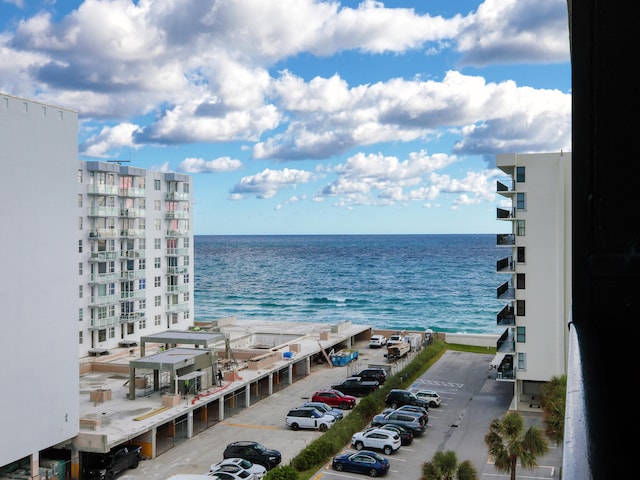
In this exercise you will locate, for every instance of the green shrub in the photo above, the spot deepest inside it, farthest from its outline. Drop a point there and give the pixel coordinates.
(283, 472)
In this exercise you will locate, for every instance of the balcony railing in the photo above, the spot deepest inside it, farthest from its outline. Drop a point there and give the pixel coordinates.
(102, 211)
(178, 307)
(103, 256)
(501, 187)
(103, 278)
(132, 317)
(505, 265)
(176, 214)
(104, 300)
(102, 323)
(132, 274)
(102, 189)
(132, 233)
(505, 292)
(177, 270)
(132, 253)
(177, 196)
(177, 233)
(132, 192)
(503, 213)
(506, 317)
(178, 288)
(133, 295)
(132, 212)
(103, 233)
(503, 239)
(177, 251)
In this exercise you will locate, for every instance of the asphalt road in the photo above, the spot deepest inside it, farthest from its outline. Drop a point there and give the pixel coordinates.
(471, 399)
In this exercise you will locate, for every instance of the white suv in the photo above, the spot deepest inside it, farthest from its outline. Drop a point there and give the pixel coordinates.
(309, 417)
(377, 341)
(430, 396)
(377, 439)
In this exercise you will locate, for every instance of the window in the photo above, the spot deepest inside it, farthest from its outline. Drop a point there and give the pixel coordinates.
(142, 304)
(520, 255)
(80, 268)
(80, 176)
(142, 203)
(186, 261)
(521, 334)
(112, 332)
(79, 223)
(157, 281)
(102, 335)
(520, 308)
(520, 174)
(130, 329)
(521, 201)
(174, 318)
(142, 244)
(520, 228)
(186, 278)
(80, 337)
(185, 187)
(79, 199)
(157, 224)
(142, 324)
(79, 291)
(80, 314)
(520, 281)
(142, 223)
(185, 315)
(142, 284)
(157, 320)
(157, 300)
(185, 242)
(156, 185)
(185, 297)
(142, 264)
(157, 243)
(79, 246)
(522, 361)
(157, 205)
(157, 262)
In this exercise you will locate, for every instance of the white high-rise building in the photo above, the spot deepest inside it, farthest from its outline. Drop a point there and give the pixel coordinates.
(135, 260)
(537, 291)
(39, 337)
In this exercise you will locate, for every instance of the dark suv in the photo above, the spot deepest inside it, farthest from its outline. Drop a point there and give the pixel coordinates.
(254, 452)
(397, 398)
(372, 373)
(105, 466)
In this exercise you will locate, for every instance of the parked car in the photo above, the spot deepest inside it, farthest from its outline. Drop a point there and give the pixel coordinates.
(334, 398)
(406, 435)
(406, 419)
(397, 398)
(323, 407)
(377, 439)
(394, 339)
(238, 464)
(419, 411)
(373, 373)
(377, 341)
(106, 466)
(226, 474)
(309, 418)
(430, 396)
(254, 452)
(365, 461)
(356, 386)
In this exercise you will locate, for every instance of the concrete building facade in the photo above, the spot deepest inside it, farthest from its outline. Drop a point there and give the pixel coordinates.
(135, 254)
(537, 267)
(39, 339)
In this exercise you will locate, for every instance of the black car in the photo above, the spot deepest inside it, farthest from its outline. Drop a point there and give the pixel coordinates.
(397, 398)
(406, 435)
(372, 373)
(105, 466)
(254, 452)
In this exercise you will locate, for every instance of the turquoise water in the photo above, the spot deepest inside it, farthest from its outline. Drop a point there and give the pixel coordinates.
(443, 282)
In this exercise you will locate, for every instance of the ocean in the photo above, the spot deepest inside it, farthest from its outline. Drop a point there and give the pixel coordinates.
(446, 283)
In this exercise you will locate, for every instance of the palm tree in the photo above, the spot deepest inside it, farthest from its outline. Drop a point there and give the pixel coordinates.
(445, 466)
(508, 442)
(553, 400)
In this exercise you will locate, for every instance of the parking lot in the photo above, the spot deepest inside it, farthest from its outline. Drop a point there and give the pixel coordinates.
(471, 398)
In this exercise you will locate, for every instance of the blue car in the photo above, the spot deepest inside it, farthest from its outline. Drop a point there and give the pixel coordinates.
(324, 408)
(365, 461)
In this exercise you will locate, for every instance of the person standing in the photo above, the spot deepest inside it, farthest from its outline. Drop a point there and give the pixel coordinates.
(219, 377)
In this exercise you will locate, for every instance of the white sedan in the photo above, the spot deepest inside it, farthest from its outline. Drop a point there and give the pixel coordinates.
(237, 465)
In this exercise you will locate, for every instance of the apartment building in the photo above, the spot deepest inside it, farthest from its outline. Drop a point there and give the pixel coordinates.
(135, 262)
(39, 339)
(536, 202)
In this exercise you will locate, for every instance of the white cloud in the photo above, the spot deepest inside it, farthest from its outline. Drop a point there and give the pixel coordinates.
(199, 165)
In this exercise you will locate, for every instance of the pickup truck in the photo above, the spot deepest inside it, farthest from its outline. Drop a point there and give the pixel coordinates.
(356, 386)
(398, 350)
(105, 466)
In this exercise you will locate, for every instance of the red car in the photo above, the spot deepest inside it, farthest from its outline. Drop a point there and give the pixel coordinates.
(335, 399)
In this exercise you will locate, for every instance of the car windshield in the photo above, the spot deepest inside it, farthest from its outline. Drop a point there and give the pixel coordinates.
(245, 463)
(259, 447)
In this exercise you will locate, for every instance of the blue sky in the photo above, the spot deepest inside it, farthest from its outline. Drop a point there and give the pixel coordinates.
(303, 116)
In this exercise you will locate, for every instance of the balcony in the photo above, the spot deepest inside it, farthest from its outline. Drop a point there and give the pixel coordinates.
(103, 278)
(132, 233)
(104, 300)
(506, 317)
(178, 307)
(173, 252)
(132, 274)
(504, 214)
(177, 233)
(102, 323)
(132, 212)
(505, 351)
(505, 239)
(132, 192)
(176, 214)
(102, 190)
(102, 211)
(133, 295)
(132, 317)
(132, 253)
(505, 265)
(506, 292)
(103, 256)
(506, 370)
(178, 270)
(178, 288)
(103, 233)
(177, 196)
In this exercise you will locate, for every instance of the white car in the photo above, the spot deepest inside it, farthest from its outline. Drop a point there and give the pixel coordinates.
(430, 396)
(377, 439)
(377, 341)
(232, 465)
(309, 418)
